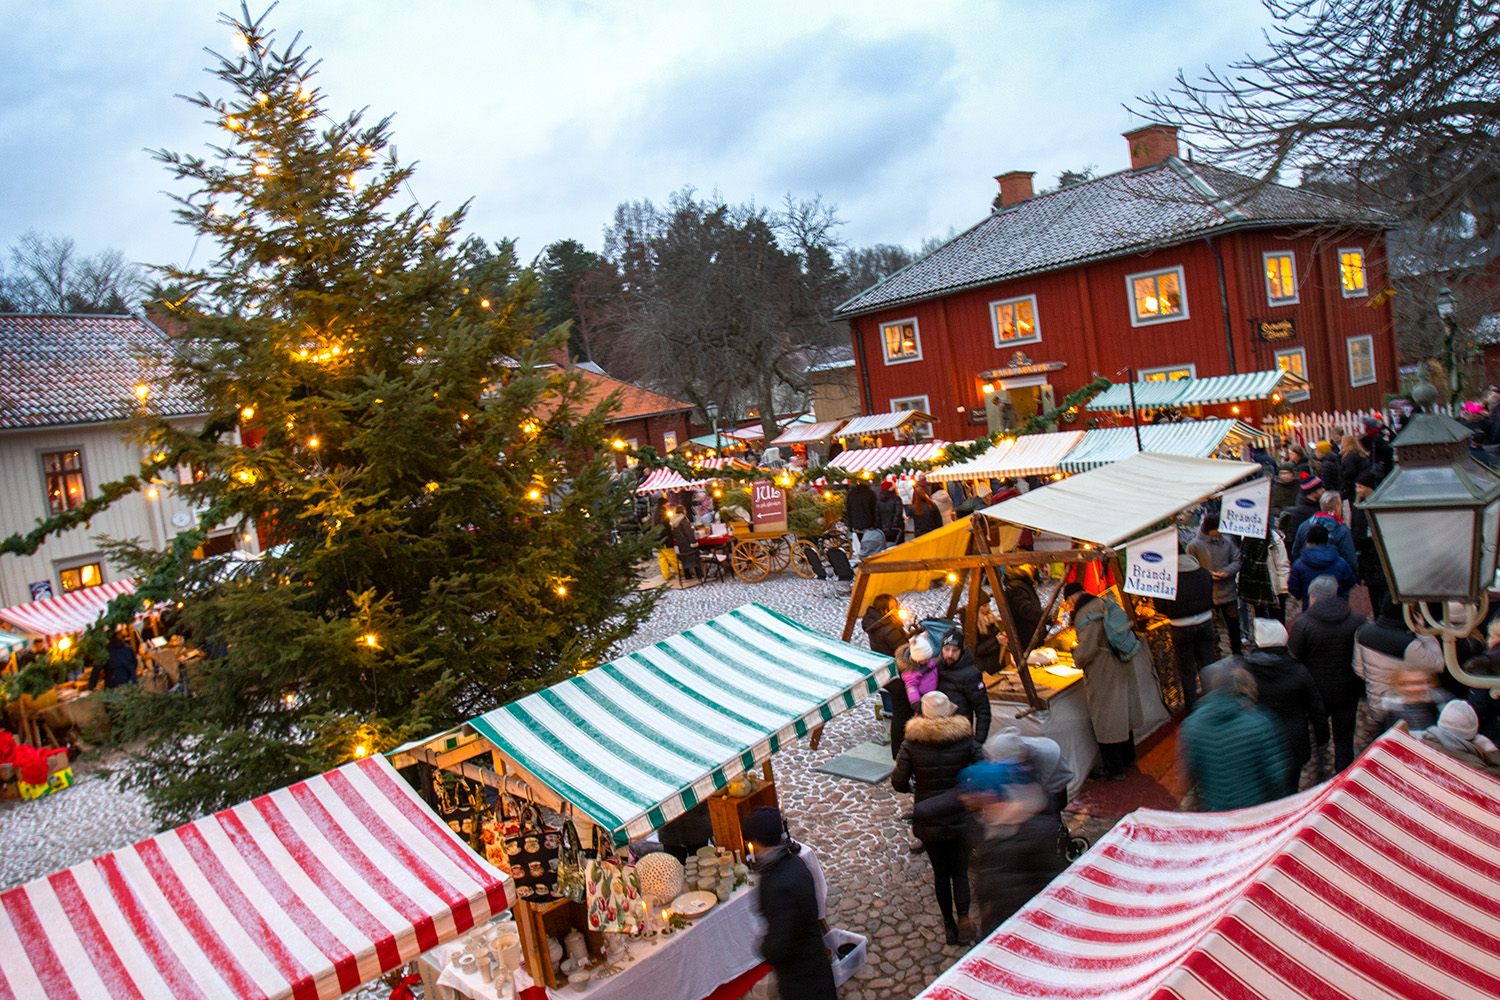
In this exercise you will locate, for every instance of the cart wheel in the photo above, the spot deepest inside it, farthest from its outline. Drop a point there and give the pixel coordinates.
(801, 564)
(779, 552)
(750, 561)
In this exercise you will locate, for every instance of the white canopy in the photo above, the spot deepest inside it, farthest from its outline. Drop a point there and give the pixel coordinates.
(1209, 391)
(883, 423)
(1029, 455)
(1193, 438)
(1117, 502)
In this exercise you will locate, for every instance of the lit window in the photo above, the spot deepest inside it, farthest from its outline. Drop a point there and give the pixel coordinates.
(922, 431)
(902, 341)
(668, 442)
(1352, 273)
(1156, 297)
(1015, 321)
(1169, 374)
(63, 473)
(1294, 360)
(1361, 360)
(80, 577)
(1281, 277)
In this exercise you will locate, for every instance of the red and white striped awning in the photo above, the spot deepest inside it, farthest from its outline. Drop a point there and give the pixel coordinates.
(304, 893)
(1379, 884)
(662, 480)
(65, 614)
(874, 459)
(807, 433)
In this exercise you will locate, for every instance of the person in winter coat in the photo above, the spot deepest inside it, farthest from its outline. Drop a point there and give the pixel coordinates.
(1310, 492)
(917, 662)
(1109, 684)
(925, 514)
(1287, 691)
(1319, 559)
(1265, 572)
(944, 503)
(1191, 618)
(1221, 557)
(1413, 698)
(859, 509)
(1284, 491)
(959, 678)
(1043, 756)
(989, 641)
(1022, 601)
(787, 900)
(1015, 854)
(1457, 735)
(1322, 640)
(1297, 455)
(888, 513)
(1367, 558)
(1376, 442)
(1354, 462)
(939, 745)
(1385, 647)
(122, 664)
(1330, 516)
(886, 634)
(1328, 465)
(1230, 746)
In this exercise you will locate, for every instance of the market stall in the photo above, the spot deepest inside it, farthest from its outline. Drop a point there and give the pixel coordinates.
(868, 461)
(629, 746)
(1379, 884)
(1190, 439)
(307, 892)
(897, 423)
(1266, 386)
(1014, 458)
(64, 615)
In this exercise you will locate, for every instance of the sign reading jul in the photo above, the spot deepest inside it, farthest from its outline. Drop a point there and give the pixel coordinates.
(767, 505)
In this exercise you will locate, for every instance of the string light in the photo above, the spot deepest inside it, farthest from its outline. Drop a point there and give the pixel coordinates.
(432, 487)
(370, 639)
(142, 390)
(152, 493)
(484, 303)
(245, 476)
(65, 643)
(562, 591)
(248, 413)
(312, 442)
(290, 698)
(535, 494)
(618, 444)
(360, 750)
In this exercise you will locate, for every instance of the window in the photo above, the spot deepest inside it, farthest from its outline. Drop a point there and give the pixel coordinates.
(1352, 273)
(903, 342)
(1168, 374)
(79, 577)
(1156, 297)
(63, 471)
(1015, 321)
(917, 431)
(1361, 360)
(668, 442)
(1294, 360)
(1281, 277)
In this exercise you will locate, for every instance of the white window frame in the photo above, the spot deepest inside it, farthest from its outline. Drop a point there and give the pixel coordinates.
(668, 442)
(1301, 394)
(1296, 295)
(1191, 368)
(1131, 279)
(1369, 340)
(1364, 270)
(1036, 322)
(916, 333)
(924, 431)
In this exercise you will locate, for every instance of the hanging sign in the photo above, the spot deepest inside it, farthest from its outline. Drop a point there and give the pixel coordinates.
(1272, 330)
(767, 506)
(1246, 510)
(1151, 565)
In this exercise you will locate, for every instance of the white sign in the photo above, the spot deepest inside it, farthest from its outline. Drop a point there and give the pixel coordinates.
(1151, 565)
(1246, 510)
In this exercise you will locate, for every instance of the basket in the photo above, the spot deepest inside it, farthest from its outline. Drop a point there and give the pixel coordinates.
(847, 966)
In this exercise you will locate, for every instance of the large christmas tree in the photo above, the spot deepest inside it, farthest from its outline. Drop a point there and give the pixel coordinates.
(432, 492)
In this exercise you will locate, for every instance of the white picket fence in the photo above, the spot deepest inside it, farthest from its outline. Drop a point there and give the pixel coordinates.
(1310, 428)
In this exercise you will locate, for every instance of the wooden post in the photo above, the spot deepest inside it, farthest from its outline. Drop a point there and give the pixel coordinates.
(1022, 670)
(861, 581)
(958, 590)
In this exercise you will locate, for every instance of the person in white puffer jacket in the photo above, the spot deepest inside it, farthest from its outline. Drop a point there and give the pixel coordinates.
(1386, 648)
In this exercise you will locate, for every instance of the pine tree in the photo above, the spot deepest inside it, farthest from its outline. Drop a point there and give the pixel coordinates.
(433, 494)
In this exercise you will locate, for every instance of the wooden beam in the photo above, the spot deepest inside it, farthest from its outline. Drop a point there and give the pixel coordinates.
(1012, 639)
(958, 590)
(945, 564)
(861, 582)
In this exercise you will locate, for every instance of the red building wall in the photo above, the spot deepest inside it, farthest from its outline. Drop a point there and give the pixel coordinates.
(1083, 315)
(651, 431)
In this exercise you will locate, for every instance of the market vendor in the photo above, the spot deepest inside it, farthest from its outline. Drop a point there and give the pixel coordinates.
(120, 664)
(688, 832)
(1108, 681)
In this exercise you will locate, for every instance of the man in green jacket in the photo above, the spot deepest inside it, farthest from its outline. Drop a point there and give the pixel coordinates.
(1233, 748)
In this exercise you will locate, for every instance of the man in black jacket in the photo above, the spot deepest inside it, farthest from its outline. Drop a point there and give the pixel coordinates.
(859, 509)
(1191, 615)
(788, 901)
(1306, 507)
(891, 515)
(1323, 640)
(1287, 691)
(959, 678)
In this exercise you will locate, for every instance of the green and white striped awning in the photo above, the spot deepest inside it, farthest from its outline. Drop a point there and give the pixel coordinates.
(1191, 439)
(634, 743)
(1210, 391)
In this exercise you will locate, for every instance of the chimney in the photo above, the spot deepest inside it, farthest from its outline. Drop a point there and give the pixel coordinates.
(1015, 187)
(1151, 144)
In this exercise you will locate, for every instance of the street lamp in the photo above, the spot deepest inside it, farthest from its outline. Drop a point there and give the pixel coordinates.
(711, 411)
(1446, 307)
(1436, 523)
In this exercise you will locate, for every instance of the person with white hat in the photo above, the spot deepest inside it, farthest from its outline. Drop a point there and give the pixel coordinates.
(1289, 693)
(1457, 735)
(939, 744)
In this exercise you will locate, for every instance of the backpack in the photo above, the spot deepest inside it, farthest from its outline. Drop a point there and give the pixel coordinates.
(1123, 641)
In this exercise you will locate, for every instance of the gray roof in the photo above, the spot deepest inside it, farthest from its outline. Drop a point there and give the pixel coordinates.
(1111, 216)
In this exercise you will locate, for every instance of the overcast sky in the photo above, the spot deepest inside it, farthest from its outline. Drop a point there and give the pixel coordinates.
(550, 114)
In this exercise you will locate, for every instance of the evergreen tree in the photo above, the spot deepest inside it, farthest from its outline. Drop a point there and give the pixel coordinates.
(432, 494)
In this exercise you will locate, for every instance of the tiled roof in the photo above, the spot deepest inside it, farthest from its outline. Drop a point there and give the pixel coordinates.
(635, 402)
(1110, 216)
(57, 370)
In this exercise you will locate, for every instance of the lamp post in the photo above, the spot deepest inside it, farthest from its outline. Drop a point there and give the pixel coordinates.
(711, 411)
(1435, 521)
(1446, 307)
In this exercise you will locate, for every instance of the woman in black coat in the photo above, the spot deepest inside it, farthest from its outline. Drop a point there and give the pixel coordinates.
(890, 514)
(788, 903)
(1025, 607)
(883, 626)
(940, 744)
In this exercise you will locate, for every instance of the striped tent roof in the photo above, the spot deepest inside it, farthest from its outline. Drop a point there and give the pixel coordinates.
(12, 643)
(302, 894)
(883, 423)
(1192, 439)
(641, 740)
(1029, 455)
(807, 433)
(1208, 391)
(1377, 885)
(66, 614)
(875, 459)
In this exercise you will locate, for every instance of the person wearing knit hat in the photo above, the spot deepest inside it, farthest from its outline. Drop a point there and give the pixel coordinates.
(1327, 459)
(1310, 491)
(787, 899)
(1288, 692)
(939, 744)
(917, 662)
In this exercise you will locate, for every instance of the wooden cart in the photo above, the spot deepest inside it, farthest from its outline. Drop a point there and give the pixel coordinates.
(754, 555)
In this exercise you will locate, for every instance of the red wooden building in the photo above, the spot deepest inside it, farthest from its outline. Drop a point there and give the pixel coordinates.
(644, 417)
(1163, 267)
